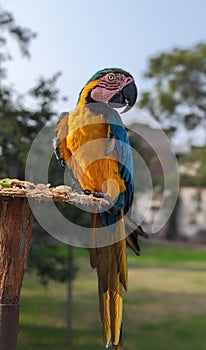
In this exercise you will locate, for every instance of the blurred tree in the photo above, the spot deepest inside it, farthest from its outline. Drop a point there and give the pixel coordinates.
(50, 262)
(192, 168)
(177, 95)
(19, 125)
(178, 87)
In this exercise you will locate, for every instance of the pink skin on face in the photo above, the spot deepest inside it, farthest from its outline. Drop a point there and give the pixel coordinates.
(109, 85)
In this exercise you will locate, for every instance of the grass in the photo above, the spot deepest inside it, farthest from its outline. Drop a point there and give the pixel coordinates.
(165, 307)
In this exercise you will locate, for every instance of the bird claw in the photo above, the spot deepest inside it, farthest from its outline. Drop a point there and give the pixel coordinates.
(99, 195)
(94, 194)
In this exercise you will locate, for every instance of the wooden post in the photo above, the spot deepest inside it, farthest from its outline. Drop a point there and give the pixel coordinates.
(15, 235)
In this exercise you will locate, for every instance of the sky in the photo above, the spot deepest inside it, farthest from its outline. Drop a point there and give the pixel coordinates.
(80, 37)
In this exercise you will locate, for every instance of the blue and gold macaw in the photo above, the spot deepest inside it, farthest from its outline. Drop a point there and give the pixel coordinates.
(93, 144)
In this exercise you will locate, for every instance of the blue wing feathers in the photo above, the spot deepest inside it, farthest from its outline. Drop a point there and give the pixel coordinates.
(125, 168)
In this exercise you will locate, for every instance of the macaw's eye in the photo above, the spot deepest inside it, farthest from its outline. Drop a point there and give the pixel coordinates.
(111, 77)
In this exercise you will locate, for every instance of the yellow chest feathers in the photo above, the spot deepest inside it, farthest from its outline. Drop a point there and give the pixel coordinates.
(87, 140)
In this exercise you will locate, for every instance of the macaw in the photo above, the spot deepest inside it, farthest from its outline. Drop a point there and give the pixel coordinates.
(92, 142)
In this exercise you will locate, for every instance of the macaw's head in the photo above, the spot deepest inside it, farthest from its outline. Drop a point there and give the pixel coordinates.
(113, 86)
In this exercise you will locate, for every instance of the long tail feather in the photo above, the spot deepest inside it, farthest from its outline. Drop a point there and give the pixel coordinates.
(111, 264)
(119, 346)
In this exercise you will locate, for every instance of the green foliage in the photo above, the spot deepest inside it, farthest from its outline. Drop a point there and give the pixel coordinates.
(195, 157)
(179, 80)
(19, 125)
(178, 95)
(50, 263)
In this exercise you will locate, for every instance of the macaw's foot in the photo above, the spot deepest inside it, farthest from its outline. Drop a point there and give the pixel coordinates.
(99, 195)
(94, 194)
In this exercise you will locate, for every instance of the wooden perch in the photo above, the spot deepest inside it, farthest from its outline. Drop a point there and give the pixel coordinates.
(16, 220)
(21, 189)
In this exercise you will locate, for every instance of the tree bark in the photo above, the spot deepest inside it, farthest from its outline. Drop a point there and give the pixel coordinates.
(15, 235)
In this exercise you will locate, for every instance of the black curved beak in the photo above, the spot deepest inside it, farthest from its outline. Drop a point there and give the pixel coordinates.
(126, 97)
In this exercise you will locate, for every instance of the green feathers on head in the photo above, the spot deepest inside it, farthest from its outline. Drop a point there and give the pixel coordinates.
(105, 71)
